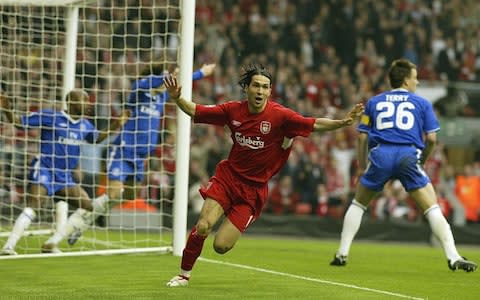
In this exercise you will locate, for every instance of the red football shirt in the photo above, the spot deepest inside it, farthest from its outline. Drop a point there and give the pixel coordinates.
(261, 142)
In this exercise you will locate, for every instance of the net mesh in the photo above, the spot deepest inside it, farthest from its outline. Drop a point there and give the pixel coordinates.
(116, 42)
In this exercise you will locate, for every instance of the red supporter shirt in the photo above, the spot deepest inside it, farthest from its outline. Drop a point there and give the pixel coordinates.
(261, 142)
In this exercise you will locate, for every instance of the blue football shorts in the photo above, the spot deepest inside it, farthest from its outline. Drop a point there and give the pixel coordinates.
(121, 166)
(394, 162)
(52, 179)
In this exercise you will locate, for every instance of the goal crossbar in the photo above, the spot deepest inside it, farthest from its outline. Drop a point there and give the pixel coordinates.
(62, 3)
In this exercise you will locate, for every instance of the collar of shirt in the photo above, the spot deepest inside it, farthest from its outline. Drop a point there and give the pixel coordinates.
(399, 90)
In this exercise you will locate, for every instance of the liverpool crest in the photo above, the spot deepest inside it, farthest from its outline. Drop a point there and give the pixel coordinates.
(265, 127)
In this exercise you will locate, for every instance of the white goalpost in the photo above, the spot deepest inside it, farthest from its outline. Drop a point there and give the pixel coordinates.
(49, 47)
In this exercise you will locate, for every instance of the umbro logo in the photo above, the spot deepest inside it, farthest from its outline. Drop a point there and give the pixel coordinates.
(236, 123)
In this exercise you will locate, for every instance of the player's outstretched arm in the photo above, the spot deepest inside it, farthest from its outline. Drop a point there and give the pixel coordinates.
(5, 109)
(115, 125)
(207, 69)
(324, 124)
(175, 90)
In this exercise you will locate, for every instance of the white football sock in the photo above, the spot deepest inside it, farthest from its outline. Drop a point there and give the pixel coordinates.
(61, 216)
(81, 219)
(185, 273)
(99, 204)
(351, 224)
(61, 226)
(441, 229)
(23, 221)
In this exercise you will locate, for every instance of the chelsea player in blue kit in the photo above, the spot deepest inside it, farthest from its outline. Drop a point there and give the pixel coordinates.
(391, 135)
(51, 173)
(127, 154)
(139, 136)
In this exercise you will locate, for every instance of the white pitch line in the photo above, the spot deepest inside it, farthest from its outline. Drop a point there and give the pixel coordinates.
(351, 286)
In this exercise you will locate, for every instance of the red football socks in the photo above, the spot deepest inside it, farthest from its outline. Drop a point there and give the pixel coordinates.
(192, 249)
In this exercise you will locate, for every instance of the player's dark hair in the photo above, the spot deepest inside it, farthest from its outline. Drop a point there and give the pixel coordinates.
(400, 69)
(251, 70)
(75, 94)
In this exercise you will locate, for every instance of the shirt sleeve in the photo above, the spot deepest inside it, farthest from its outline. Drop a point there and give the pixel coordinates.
(297, 125)
(197, 75)
(365, 121)
(431, 123)
(211, 114)
(37, 119)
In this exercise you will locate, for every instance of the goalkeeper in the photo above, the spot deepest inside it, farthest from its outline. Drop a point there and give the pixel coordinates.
(129, 151)
(61, 133)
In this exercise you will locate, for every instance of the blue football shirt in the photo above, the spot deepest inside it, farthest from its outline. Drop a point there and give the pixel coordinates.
(139, 135)
(398, 117)
(60, 136)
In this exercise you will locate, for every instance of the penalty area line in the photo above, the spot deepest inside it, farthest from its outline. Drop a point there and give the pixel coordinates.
(350, 286)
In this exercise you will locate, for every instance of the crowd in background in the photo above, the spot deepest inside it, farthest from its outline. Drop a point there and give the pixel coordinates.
(325, 56)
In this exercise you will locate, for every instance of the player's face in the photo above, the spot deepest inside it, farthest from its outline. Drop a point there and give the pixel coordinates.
(412, 81)
(80, 106)
(258, 92)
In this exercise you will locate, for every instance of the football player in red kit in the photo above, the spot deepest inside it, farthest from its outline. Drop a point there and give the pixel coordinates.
(262, 132)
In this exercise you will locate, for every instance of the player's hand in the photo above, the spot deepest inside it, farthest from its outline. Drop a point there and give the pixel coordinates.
(172, 86)
(357, 111)
(353, 115)
(207, 69)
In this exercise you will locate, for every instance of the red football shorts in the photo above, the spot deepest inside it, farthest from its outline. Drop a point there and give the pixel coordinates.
(242, 201)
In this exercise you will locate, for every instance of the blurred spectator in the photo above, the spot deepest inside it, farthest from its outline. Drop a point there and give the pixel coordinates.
(468, 192)
(283, 198)
(336, 190)
(343, 155)
(447, 187)
(308, 176)
(325, 57)
(448, 63)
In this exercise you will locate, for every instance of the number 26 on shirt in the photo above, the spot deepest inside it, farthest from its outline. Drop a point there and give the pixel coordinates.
(390, 116)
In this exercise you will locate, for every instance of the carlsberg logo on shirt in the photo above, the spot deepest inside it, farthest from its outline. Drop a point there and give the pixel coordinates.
(247, 141)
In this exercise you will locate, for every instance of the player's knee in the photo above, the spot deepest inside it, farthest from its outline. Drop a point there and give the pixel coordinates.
(222, 248)
(203, 227)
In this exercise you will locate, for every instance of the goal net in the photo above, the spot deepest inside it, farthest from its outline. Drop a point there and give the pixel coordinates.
(113, 42)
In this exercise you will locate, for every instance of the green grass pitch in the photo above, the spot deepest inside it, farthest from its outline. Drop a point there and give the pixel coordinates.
(257, 268)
